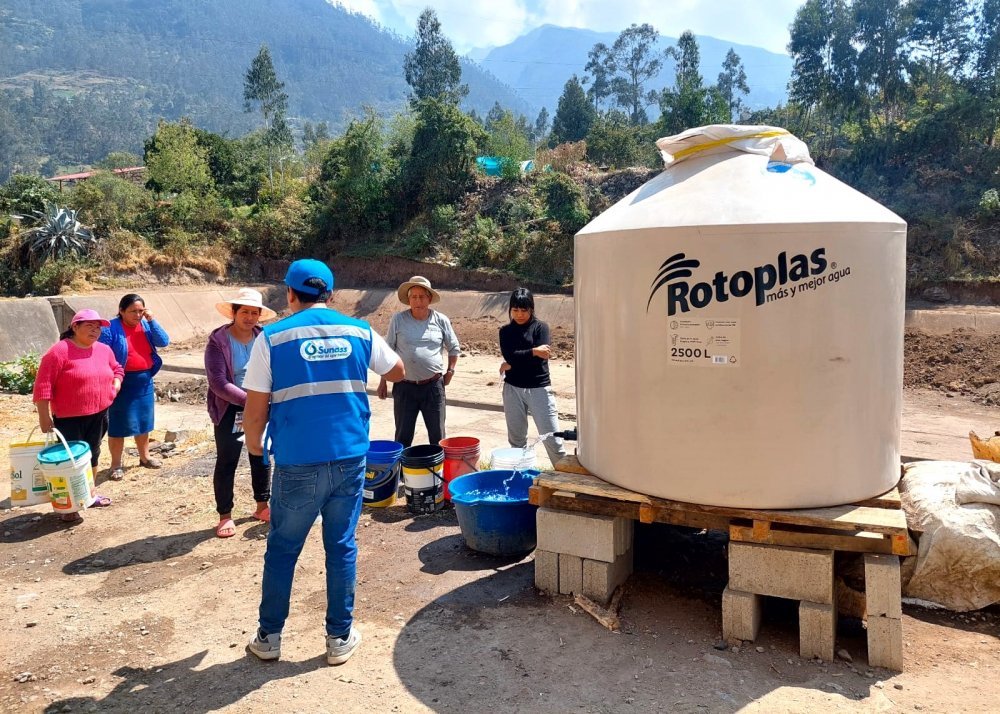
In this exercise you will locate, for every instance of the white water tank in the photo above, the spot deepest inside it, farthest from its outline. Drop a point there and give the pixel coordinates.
(739, 332)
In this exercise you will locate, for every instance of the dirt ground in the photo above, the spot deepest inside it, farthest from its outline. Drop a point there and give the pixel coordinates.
(141, 608)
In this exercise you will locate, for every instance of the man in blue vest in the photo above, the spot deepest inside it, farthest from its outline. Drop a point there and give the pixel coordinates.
(306, 382)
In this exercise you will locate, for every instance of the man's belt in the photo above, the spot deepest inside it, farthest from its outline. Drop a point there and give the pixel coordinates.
(429, 380)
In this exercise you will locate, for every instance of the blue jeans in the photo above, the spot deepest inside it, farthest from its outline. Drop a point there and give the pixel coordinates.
(299, 494)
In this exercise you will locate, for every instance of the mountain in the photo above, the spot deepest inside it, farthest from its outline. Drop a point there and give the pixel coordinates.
(537, 64)
(173, 58)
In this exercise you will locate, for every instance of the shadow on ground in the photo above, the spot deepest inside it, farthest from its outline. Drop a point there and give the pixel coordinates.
(181, 686)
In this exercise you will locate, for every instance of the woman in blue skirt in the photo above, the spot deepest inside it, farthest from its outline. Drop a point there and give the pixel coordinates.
(133, 336)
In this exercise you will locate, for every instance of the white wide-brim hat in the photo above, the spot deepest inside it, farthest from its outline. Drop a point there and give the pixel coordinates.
(249, 297)
(417, 281)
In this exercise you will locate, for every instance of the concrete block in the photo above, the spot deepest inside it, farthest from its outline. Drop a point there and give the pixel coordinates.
(547, 571)
(794, 573)
(817, 630)
(883, 590)
(584, 535)
(740, 615)
(600, 579)
(570, 574)
(885, 642)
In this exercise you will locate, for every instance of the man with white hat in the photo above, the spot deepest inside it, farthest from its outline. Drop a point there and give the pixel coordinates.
(306, 381)
(420, 335)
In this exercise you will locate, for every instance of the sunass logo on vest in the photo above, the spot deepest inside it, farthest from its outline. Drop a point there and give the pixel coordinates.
(321, 349)
(783, 278)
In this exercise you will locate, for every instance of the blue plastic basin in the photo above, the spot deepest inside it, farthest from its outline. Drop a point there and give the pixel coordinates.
(493, 511)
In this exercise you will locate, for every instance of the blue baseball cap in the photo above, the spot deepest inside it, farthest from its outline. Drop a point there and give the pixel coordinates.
(302, 270)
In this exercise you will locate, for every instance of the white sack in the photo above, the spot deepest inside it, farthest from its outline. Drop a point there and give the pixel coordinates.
(774, 142)
(950, 503)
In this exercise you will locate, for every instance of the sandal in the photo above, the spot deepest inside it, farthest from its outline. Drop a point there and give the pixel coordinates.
(263, 514)
(117, 474)
(100, 501)
(151, 463)
(226, 528)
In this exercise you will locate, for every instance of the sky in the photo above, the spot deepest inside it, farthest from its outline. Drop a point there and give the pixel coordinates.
(490, 23)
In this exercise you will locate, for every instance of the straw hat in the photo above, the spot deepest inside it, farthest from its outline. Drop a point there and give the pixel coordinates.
(417, 281)
(246, 296)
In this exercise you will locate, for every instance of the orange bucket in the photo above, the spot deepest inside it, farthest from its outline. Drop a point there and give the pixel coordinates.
(461, 456)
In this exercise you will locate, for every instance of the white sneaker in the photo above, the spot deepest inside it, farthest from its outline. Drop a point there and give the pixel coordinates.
(267, 647)
(339, 650)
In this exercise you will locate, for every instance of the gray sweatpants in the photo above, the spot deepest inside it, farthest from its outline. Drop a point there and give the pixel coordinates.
(540, 402)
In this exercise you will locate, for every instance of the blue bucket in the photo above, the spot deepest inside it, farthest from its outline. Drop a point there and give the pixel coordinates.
(381, 473)
(493, 511)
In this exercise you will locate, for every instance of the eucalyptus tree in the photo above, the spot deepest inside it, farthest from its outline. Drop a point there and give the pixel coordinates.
(432, 69)
(940, 39)
(732, 83)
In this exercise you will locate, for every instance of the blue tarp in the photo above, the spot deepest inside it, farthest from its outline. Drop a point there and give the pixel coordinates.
(493, 165)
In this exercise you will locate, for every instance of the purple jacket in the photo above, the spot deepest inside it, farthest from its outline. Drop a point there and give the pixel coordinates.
(219, 369)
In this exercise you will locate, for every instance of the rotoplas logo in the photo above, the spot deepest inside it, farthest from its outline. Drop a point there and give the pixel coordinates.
(317, 350)
(682, 296)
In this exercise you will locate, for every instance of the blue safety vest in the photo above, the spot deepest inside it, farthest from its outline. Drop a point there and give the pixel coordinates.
(319, 371)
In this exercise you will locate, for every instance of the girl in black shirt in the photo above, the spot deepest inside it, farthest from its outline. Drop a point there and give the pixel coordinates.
(527, 388)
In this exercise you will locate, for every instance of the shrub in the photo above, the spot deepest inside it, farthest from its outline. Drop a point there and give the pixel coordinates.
(123, 251)
(25, 194)
(562, 157)
(475, 247)
(273, 232)
(564, 202)
(989, 204)
(444, 220)
(417, 242)
(18, 376)
(109, 202)
(55, 273)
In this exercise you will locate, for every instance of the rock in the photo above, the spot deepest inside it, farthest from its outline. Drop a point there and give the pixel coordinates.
(844, 655)
(897, 686)
(175, 397)
(97, 563)
(714, 659)
(760, 649)
(734, 649)
(25, 677)
(31, 623)
(88, 680)
(175, 436)
(936, 294)
(721, 645)
(206, 565)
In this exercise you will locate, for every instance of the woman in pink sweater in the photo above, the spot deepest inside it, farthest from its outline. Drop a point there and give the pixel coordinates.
(77, 380)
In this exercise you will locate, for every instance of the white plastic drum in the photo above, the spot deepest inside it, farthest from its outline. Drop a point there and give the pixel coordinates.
(739, 336)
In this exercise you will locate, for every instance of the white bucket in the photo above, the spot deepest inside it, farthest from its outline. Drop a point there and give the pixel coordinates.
(27, 483)
(70, 482)
(513, 459)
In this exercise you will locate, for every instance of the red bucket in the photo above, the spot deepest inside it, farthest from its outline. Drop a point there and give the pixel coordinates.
(461, 456)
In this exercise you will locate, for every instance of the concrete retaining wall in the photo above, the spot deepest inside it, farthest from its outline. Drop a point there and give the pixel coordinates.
(26, 326)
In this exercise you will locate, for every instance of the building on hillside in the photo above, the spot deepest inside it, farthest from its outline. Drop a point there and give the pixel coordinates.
(135, 174)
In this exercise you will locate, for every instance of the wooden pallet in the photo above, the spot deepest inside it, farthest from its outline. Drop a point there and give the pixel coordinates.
(876, 525)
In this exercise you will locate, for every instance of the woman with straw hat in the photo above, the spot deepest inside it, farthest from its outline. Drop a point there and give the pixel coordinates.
(226, 358)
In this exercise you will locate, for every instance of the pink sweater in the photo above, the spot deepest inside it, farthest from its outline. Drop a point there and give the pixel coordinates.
(77, 381)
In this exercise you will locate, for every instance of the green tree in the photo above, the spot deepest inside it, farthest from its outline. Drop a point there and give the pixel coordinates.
(442, 155)
(432, 70)
(688, 103)
(119, 160)
(175, 161)
(541, 127)
(509, 141)
(600, 70)
(987, 67)
(612, 142)
(24, 194)
(574, 114)
(635, 61)
(880, 34)
(353, 190)
(109, 202)
(263, 92)
(940, 35)
(732, 83)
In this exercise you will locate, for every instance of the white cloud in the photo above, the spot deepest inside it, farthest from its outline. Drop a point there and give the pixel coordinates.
(478, 23)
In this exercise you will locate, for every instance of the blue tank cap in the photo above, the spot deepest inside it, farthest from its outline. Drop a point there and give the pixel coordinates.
(56, 454)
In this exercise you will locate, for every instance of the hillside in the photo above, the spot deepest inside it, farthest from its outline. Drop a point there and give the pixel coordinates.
(133, 61)
(537, 64)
